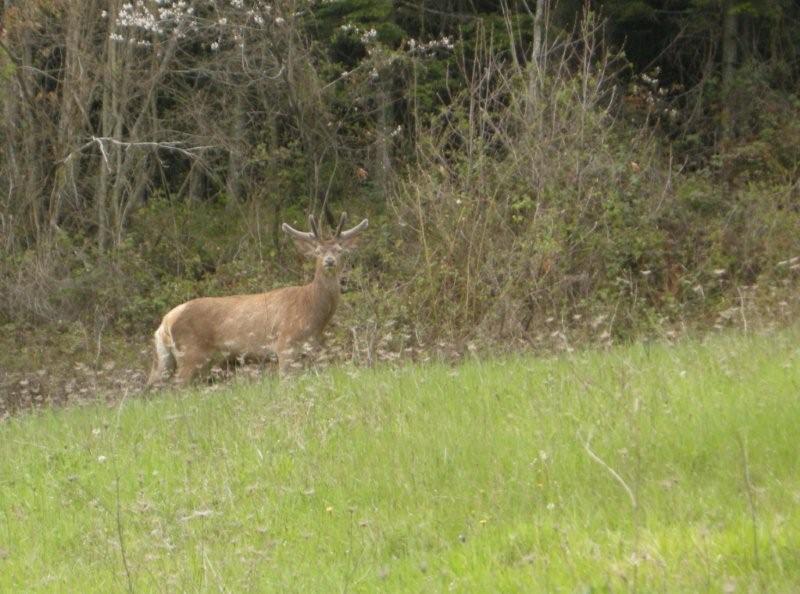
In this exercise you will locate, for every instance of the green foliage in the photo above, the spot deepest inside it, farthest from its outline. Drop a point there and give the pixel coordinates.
(627, 11)
(504, 196)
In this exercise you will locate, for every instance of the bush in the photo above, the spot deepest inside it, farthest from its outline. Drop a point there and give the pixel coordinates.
(534, 208)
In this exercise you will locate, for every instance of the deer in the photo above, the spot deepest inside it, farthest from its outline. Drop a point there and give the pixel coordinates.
(199, 333)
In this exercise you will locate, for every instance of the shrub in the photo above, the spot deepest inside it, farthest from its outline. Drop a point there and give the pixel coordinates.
(533, 204)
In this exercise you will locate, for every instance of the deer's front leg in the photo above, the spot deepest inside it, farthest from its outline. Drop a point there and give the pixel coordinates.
(289, 358)
(292, 357)
(288, 362)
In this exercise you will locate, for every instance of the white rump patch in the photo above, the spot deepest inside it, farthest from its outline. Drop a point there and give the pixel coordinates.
(163, 351)
(165, 358)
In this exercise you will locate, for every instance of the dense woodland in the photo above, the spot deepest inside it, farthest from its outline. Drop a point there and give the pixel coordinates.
(536, 173)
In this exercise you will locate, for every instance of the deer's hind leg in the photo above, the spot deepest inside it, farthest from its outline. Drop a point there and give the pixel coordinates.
(161, 370)
(190, 364)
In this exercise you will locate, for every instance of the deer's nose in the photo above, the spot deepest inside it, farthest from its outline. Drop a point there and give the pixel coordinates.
(329, 261)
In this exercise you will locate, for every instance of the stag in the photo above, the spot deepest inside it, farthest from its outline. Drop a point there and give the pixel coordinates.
(203, 331)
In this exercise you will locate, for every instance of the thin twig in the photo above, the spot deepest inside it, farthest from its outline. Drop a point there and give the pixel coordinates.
(102, 152)
(741, 308)
(613, 472)
(120, 531)
(750, 498)
(121, 537)
(165, 145)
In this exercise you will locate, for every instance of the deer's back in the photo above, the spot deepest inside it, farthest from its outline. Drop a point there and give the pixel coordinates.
(232, 324)
(242, 324)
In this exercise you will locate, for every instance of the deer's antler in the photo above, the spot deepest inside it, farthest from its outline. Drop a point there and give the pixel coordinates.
(340, 225)
(312, 235)
(350, 232)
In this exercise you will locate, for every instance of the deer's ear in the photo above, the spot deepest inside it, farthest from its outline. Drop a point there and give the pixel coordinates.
(350, 243)
(307, 247)
(305, 242)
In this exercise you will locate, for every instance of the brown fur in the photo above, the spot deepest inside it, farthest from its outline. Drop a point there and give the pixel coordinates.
(204, 331)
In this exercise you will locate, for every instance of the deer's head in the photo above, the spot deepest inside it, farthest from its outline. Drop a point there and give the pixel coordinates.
(327, 252)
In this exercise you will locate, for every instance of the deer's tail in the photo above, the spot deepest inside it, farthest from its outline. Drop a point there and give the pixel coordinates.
(164, 358)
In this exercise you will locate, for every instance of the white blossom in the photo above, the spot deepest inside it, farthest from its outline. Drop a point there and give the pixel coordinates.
(166, 16)
(368, 36)
(445, 43)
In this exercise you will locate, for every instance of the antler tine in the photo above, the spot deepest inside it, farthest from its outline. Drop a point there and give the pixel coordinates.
(340, 225)
(305, 235)
(355, 230)
(313, 224)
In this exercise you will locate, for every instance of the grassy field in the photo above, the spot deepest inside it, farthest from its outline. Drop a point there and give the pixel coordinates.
(651, 468)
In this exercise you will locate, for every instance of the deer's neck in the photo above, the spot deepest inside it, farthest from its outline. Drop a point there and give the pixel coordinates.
(323, 293)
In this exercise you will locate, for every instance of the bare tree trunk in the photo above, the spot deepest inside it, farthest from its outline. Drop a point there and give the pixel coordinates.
(383, 157)
(29, 156)
(197, 182)
(729, 28)
(234, 182)
(537, 32)
(726, 117)
(536, 67)
(300, 105)
(108, 115)
(73, 86)
(10, 133)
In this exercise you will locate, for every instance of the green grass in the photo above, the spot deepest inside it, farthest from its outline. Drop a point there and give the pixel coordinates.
(476, 478)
